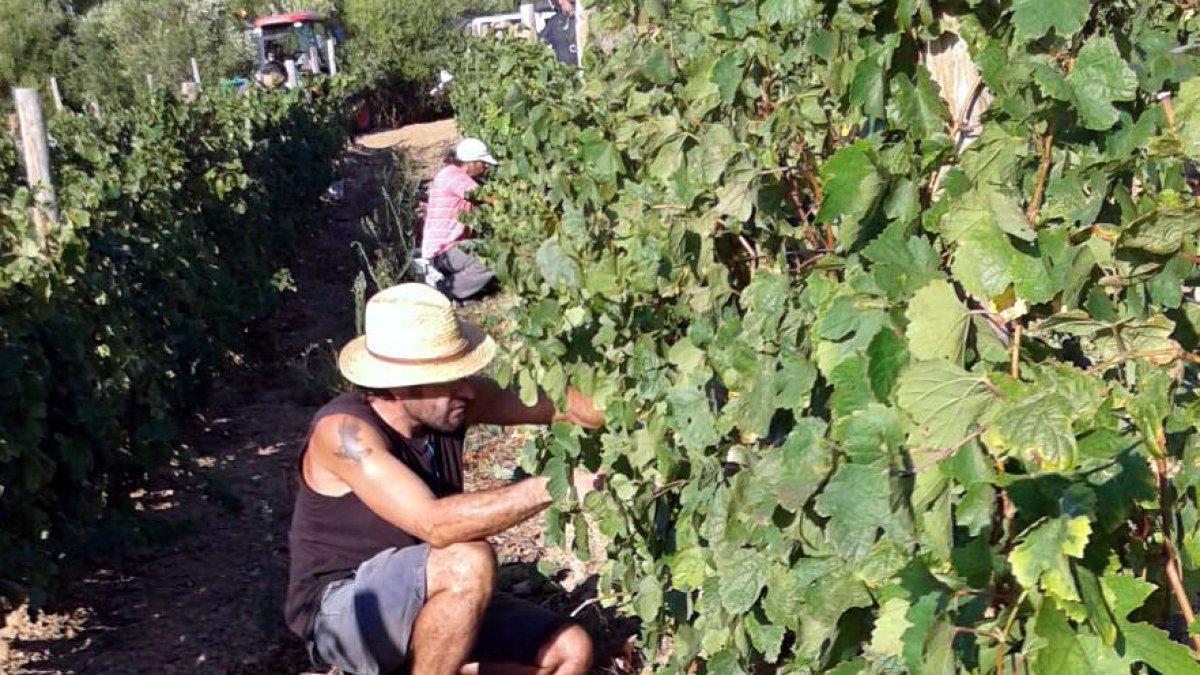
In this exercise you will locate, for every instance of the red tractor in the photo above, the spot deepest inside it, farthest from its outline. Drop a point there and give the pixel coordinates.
(303, 37)
(299, 36)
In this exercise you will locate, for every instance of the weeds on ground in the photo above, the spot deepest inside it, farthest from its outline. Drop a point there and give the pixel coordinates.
(388, 236)
(314, 375)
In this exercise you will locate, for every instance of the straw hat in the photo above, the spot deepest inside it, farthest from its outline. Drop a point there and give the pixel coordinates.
(413, 337)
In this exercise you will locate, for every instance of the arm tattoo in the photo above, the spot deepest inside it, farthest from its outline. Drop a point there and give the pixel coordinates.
(350, 446)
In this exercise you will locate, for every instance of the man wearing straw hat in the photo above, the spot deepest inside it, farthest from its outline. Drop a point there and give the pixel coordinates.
(390, 570)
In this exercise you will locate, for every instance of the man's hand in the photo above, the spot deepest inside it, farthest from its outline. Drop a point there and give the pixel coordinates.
(493, 405)
(581, 410)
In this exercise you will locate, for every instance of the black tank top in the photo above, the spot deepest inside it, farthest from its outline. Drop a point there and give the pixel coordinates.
(331, 536)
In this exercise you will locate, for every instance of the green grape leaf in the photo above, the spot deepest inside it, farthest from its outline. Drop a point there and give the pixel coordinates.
(1035, 18)
(558, 484)
(888, 637)
(824, 605)
(983, 264)
(942, 400)
(668, 161)
(937, 323)
(715, 152)
(557, 268)
(727, 74)
(852, 186)
(658, 67)
(1187, 115)
(870, 434)
(1042, 557)
(736, 196)
(856, 501)
(982, 209)
(1165, 230)
(806, 463)
(1036, 428)
(1126, 592)
(1152, 646)
(601, 157)
(692, 417)
(649, 598)
(851, 385)
(918, 105)
(743, 575)
(785, 12)
(1067, 652)
(887, 357)
(1099, 78)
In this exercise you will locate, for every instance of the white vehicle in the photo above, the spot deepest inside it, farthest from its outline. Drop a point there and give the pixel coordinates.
(525, 14)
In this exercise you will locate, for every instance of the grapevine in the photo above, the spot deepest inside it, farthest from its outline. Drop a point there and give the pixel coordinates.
(175, 220)
(890, 387)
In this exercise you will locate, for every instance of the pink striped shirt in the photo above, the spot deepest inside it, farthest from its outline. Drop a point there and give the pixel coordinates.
(447, 198)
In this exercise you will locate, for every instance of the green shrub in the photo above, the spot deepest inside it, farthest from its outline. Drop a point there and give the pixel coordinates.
(395, 48)
(31, 43)
(118, 42)
(176, 220)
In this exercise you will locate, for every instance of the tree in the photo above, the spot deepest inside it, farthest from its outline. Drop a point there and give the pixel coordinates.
(32, 40)
(119, 41)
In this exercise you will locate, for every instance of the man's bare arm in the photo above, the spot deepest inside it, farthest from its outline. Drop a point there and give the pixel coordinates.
(495, 405)
(355, 453)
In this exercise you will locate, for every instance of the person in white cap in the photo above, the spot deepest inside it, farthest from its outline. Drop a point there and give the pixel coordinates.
(463, 276)
(390, 569)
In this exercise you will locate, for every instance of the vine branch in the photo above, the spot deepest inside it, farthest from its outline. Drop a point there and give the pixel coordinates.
(1015, 361)
(1173, 567)
(1012, 617)
(1043, 172)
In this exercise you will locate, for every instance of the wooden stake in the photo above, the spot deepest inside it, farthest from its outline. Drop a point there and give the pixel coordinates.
(293, 78)
(581, 30)
(314, 60)
(1168, 106)
(195, 72)
(35, 145)
(58, 104)
(529, 17)
(331, 55)
(189, 91)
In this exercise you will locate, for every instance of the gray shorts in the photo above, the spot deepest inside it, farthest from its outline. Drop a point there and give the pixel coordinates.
(463, 276)
(365, 622)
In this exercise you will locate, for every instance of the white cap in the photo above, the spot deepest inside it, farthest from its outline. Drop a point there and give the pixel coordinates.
(473, 150)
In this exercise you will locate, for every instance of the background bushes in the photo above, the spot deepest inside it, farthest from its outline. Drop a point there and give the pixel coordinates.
(176, 222)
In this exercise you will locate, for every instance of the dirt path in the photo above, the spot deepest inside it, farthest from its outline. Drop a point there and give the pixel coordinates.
(199, 589)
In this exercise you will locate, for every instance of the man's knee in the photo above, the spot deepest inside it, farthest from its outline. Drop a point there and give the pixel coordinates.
(569, 650)
(468, 568)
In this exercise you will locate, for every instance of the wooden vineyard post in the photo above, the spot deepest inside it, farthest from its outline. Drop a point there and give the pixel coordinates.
(195, 72)
(331, 55)
(293, 80)
(189, 91)
(529, 19)
(581, 31)
(35, 146)
(314, 60)
(58, 104)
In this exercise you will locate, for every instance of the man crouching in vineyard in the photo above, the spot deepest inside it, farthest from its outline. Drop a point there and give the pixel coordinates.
(390, 570)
